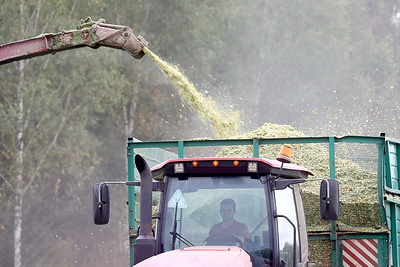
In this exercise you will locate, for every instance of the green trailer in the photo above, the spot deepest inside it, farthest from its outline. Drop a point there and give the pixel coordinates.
(366, 168)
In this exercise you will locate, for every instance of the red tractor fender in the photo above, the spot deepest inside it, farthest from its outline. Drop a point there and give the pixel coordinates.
(200, 256)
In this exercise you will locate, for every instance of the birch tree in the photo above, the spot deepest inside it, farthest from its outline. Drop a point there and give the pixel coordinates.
(17, 116)
(38, 102)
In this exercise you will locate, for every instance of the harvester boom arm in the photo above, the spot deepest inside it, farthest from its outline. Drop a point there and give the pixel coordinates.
(90, 33)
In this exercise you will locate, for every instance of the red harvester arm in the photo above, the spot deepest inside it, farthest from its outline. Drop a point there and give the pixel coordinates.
(89, 33)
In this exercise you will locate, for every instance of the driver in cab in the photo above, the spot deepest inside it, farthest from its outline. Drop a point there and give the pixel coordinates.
(229, 230)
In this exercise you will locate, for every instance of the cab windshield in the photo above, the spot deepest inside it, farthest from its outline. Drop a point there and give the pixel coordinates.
(216, 210)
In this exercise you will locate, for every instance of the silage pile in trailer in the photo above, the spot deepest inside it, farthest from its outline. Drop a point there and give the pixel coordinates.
(359, 208)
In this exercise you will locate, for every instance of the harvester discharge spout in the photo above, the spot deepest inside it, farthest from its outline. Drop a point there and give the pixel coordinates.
(119, 37)
(89, 33)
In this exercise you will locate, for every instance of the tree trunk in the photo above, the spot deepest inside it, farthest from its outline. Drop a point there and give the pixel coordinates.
(20, 168)
(129, 110)
(18, 225)
(20, 154)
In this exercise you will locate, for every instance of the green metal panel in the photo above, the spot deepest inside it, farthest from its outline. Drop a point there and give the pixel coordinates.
(332, 169)
(394, 214)
(332, 174)
(396, 234)
(392, 198)
(383, 252)
(131, 202)
(392, 166)
(389, 215)
(181, 149)
(360, 139)
(256, 148)
(380, 181)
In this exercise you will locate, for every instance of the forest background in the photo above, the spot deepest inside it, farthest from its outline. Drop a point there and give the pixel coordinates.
(324, 67)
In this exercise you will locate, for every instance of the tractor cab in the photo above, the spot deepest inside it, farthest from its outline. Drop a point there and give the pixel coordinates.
(253, 204)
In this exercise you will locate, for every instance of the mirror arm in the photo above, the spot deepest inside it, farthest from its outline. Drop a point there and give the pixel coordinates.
(157, 186)
(328, 198)
(282, 184)
(100, 203)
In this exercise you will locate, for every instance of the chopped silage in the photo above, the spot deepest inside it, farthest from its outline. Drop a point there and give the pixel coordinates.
(321, 259)
(359, 206)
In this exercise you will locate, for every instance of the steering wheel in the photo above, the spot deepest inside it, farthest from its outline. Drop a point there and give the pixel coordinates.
(218, 241)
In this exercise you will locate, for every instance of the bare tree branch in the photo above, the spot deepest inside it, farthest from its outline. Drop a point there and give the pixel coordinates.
(28, 112)
(6, 116)
(72, 9)
(66, 115)
(33, 18)
(36, 228)
(5, 147)
(125, 113)
(9, 185)
(146, 16)
(62, 97)
(46, 62)
(37, 14)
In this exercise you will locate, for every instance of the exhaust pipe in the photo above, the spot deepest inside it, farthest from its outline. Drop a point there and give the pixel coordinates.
(145, 244)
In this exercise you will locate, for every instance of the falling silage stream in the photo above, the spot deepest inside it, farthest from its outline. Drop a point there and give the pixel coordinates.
(224, 123)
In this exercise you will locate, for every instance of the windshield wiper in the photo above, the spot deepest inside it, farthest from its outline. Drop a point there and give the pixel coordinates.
(175, 234)
(263, 220)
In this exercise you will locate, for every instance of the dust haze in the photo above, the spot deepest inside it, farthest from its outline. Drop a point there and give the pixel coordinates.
(323, 67)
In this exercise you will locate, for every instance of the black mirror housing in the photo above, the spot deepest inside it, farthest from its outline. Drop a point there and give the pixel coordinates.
(101, 204)
(329, 200)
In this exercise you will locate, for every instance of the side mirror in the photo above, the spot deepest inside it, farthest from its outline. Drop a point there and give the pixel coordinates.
(101, 204)
(329, 200)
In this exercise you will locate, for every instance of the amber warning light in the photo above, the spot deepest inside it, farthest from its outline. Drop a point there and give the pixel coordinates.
(195, 163)
(285, 154)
